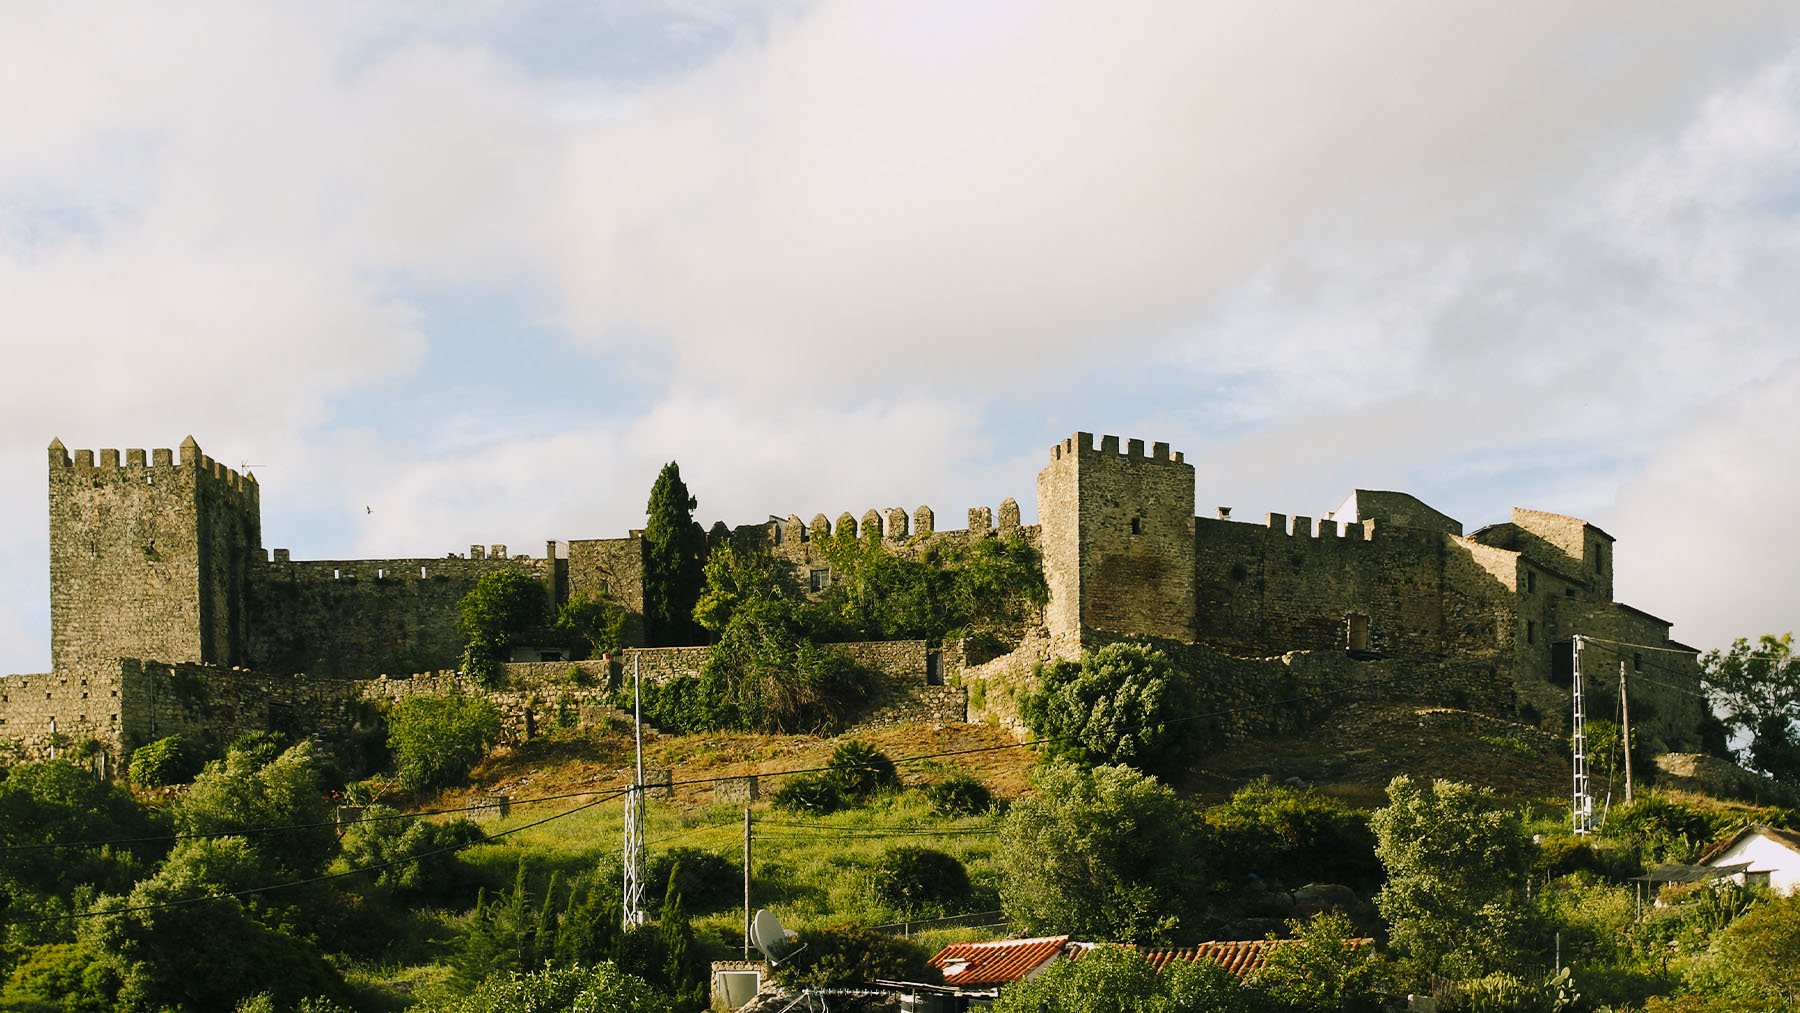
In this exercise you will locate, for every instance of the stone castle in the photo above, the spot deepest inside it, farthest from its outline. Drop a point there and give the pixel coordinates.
(168, 614)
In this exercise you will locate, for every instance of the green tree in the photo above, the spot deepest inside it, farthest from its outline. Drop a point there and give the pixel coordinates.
(1124, 703)
(602, 988)
(861, 771)
(168, 760)
(412, 858)
(1104, 854)
(916, 880)
(1756, 689)
(1326, 970)
(47, 806)
(437, 739)
(596, 621)
(1455, 899)
(1292, 836)
(844, 956)
(1111, 979)
(249, 790)
(504, 605)
(674, 554)
(1759, 952)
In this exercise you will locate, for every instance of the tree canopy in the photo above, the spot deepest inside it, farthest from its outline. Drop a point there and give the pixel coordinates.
(1757, 689)
(1124, 703)
(674, 554)
(504, 605)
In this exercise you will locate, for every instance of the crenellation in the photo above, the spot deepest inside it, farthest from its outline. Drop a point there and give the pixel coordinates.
(1134, 448)
(1109, 445)
(134, 459)
(896, 523)
(1009, 517)
(1303, 527)
(846, 525)
(871, 523)
(162, 457)
(84, 460)
(924, 521)
(821, 527)
(1275, 522)
(981, 521)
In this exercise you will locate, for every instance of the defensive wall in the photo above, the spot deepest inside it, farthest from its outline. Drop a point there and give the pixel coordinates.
(116, 708)
(160, 556)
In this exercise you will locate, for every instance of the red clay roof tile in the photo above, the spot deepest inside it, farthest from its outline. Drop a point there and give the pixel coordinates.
(996, 963)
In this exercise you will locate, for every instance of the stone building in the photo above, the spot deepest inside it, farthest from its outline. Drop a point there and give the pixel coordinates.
(157, 565)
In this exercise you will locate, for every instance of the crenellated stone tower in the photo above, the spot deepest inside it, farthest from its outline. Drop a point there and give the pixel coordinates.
(149, 558)
(1117, 535)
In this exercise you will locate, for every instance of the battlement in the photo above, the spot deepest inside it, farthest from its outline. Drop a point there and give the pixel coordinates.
(1082, 444)
(136, 463)
(892, 524)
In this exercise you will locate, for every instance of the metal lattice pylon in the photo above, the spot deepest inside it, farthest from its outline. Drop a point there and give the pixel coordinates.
(1583, 802)
(633, 893)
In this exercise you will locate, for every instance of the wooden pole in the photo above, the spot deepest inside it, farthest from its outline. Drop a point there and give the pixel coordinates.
(1625, 729)
(746, 882)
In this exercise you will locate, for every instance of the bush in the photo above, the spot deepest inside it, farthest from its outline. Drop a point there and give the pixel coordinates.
(861, 771)
(1293, 836)
(437, 739)
(1124, 703)
(850, 955)
(253, 786)
(599, 989)
(707, 881)
(504, 604)
(417, 857)
(913, 880)
(816, 794)
(166, 761)
(959, 795)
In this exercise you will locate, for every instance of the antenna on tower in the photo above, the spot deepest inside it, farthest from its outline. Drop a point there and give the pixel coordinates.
(633, 894)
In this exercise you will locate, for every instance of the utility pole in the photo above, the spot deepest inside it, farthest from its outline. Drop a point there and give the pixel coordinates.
(633, 894)
(1583, 802)
(746, 882)
(1625, 728)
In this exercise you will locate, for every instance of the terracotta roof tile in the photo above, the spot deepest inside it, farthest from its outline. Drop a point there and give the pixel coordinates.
(1239, 956)
(996, 963)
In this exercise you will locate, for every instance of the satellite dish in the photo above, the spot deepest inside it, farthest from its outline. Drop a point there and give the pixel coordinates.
(776, 943)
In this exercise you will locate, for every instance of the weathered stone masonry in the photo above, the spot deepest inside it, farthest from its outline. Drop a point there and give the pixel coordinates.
(168, 614)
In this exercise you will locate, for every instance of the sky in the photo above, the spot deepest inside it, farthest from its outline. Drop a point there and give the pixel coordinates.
(456, 273)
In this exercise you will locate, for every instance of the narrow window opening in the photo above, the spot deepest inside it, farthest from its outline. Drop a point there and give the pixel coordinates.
(421, 573)
(818, 580)
(1531, 582)
(1637, 663)
(1358, 631)
(1530, 631)
(337, 575)
(1137, 525)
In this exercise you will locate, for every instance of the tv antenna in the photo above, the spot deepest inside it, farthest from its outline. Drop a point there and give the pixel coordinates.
(775, 943)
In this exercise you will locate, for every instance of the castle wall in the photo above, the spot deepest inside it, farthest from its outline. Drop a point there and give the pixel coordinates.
(49, 713)
(1270, 588)
(614, 568)
(365, 617)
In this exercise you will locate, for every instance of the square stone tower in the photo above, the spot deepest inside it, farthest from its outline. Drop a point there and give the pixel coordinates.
(149, 558)
(1117, 532)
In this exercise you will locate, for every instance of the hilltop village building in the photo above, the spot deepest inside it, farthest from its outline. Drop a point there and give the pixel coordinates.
(167, 612)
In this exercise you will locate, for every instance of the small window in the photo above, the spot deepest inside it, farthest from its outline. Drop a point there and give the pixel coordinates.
(1568, 592)
(1637, 663)
(1137, 525)
(421, 573)
(1531, 582)
(381, 573)
(1357, 631)
(1530, 631)
(1599, 558)
(337, 575)
(819, 580)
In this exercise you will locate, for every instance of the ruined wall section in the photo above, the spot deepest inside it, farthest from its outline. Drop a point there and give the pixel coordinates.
(148, 556)
(613, 567)
(1270, 588)
(342, 618)
(50, 714)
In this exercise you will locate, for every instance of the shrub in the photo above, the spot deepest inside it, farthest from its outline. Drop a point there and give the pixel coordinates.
(912, 880)
(166, 761)
(849, 955)
(959, 795)
(436, 739)
(861, 771)
(1293, 836)
(504, 604)
(417, 857)
(1124, 703)
(706, 881)
(816, 794)
(253, 786)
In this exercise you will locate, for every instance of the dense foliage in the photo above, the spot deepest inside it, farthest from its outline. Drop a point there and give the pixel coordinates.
(1124, 703)
(838, 956)
(168, 760)
(920, 881)
(1455, 898)
(1290, 837)
(674, 552)
(504, 605)
(1106, 854)
(1756, 689)
(959, 795)
(602, 988)
(436, 739)
(596, 622)
(877, 593)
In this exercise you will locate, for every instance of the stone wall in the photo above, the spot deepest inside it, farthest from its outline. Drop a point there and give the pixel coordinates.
(47, 713)
(366, 617)
(614, 568)
(1118, 540)
(144, 555)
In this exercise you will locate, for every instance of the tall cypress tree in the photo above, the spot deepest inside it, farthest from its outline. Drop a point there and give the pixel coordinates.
(674, 555)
